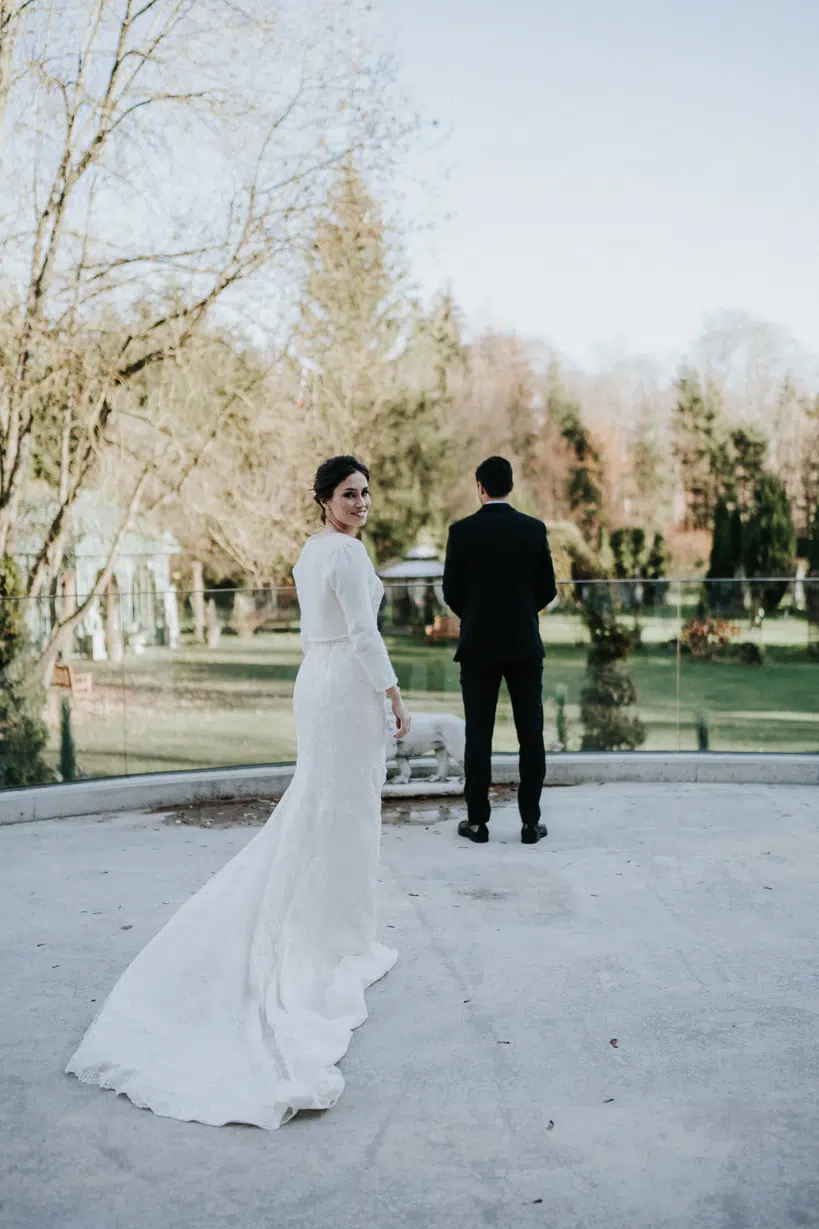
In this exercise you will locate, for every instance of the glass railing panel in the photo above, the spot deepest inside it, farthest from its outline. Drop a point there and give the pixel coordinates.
(173, 680)
(215, 687)
(232, 679)
(749, 679)
(96, 674)
(623, 697)
(421, 635)
(78, 701)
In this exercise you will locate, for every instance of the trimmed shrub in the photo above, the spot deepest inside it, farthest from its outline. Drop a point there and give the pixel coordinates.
(609, 691)
(703, 732)
(69, 770)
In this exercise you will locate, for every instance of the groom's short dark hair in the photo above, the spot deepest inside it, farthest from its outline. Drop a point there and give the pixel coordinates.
(495, 476)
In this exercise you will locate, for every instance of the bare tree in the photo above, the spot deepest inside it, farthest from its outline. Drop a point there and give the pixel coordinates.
(748, 361)
(493, 393)
(251, 500)
(176, 152)
(12, 13)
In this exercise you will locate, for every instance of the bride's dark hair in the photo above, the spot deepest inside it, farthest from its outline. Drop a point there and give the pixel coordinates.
(331, 474)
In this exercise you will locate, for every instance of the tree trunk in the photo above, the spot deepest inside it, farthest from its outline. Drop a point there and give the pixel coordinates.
(68, 584)
(198, 602)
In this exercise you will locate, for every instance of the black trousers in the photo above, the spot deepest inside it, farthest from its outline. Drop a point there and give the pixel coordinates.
(480, 685)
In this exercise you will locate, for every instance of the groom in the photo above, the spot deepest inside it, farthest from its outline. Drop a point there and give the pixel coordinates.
(498, 576)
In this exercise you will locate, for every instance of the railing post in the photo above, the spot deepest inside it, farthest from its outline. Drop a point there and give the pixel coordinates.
(679, 661)
(124, 683)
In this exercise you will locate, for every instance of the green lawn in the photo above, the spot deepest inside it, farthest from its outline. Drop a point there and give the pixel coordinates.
(770, 708)
(197, 707)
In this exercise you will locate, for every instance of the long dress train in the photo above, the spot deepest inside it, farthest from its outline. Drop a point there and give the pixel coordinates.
(243, 1004)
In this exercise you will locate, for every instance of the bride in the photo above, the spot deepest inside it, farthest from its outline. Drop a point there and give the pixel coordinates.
(243, 1004)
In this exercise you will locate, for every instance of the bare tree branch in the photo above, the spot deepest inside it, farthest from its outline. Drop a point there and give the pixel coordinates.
(98, 88)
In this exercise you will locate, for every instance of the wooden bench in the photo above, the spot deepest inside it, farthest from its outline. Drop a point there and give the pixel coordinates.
(77, 684)
(443, 627)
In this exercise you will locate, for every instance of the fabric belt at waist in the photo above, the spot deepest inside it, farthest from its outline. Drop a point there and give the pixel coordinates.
(311, 640)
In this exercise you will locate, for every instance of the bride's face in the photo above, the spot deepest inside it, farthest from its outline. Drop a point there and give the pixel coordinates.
(350, 503)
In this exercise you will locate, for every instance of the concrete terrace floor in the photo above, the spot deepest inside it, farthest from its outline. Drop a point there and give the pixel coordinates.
(485, 1089)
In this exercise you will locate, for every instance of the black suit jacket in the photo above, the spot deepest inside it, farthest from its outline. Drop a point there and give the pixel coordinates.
(497, 577)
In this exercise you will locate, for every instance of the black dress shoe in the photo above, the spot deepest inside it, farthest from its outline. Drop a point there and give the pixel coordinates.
(530, 834)
(473, 832)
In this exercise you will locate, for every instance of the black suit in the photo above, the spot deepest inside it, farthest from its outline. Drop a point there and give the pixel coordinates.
(498, 576)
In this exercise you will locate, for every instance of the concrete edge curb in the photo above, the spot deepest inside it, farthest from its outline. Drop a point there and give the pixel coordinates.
(109, 794)
(681, 767)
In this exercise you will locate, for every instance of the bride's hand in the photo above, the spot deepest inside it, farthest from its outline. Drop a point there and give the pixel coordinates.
(400, 713)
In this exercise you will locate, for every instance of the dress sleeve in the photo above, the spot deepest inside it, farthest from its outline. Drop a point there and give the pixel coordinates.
(350, 581)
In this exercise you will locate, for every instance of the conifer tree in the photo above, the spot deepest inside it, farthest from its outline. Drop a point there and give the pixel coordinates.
(655, 571)
(348, 322)
(585, 490)
(696, 421)
(68, 750)
(769, 542)
(378, 365)
(736, 542)
(721, 565)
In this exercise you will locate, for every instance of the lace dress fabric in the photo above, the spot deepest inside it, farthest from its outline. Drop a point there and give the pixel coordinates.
(240, 1009)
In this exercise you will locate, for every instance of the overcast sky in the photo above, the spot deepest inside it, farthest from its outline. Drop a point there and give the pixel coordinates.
(619, 169)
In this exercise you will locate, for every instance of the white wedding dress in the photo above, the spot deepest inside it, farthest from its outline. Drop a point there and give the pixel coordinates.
(243, 1004)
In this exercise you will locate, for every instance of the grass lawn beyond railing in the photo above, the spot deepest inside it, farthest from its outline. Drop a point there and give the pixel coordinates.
(198, 707)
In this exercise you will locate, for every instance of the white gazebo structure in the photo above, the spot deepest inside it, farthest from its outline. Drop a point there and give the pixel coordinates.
(139, 606)
(414, 586)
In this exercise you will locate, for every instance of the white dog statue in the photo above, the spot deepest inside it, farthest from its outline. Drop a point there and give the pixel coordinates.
(438, 734)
